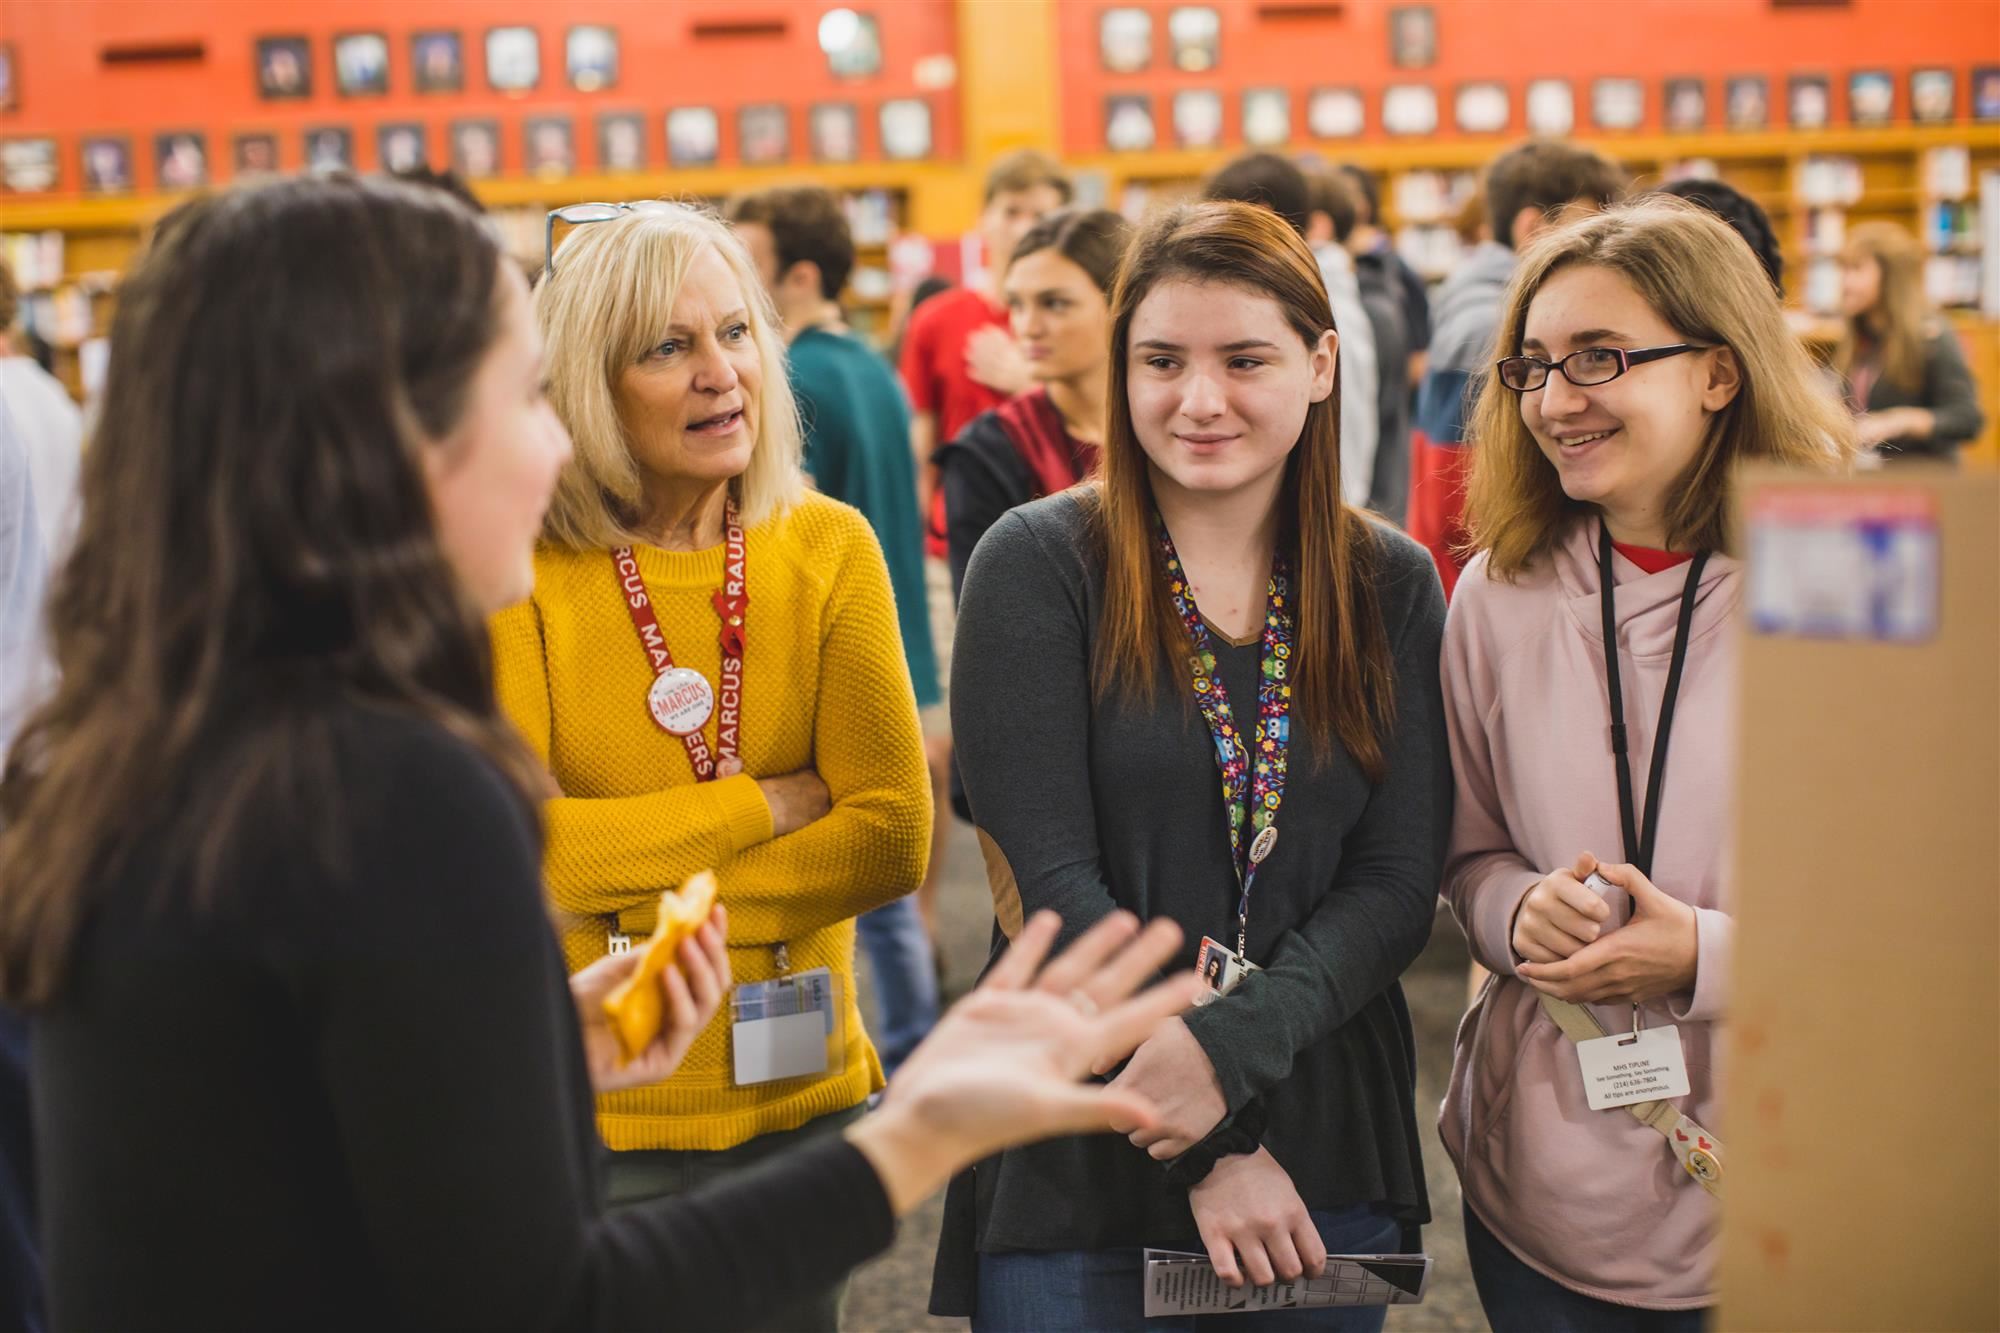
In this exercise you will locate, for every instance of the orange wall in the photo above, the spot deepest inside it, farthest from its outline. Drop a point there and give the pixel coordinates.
(66, 92)
(1516, 41)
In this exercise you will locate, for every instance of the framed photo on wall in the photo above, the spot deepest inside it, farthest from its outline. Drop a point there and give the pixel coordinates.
(1410, 108)
(400, 147)
(906, 129)
(1685, 105)
(621, 142)
(254, 155)
(694, 136)
(1933, 96)
(1267, 117)
(180, 160)
(1413, 37)
(1551, 107)
(591, 55)
(1871, 97)
(475, 148)
(284, 68)
(107, 164)
(28, 166)
(437, 62)
(851, 43)
(1617, 104)
(1335, 113)
(1194, 33)
(1125, 40)
(763, 135)
(1808, 102)
(10, 96)
(329, 148)
(1481, 108)
(833, 132)
(361, 64)
(1986, 93)
(548, 146)
(513, 59)
(1746, 102)
(1197, 117)
(1128, 123)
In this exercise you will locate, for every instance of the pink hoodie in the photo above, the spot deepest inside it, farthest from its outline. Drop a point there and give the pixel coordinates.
(1592, 1199)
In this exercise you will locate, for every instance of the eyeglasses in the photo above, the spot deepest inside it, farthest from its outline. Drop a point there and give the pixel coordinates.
(578, 215)
(1591, 365)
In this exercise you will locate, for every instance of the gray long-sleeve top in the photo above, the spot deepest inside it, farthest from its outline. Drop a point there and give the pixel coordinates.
(1947, 391)
(1084, 806)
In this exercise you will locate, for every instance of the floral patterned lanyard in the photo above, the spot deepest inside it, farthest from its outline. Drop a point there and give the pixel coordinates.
(1259, 784)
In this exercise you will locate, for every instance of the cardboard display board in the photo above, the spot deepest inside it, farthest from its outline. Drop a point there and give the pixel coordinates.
(1863, 1043)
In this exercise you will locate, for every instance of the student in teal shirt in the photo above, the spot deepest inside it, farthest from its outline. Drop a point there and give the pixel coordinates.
(857, 433)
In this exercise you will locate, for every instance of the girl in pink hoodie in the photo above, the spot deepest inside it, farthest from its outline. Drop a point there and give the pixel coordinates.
(1644, 356)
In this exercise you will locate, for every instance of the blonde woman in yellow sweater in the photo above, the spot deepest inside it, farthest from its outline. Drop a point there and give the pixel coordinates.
(711, 670)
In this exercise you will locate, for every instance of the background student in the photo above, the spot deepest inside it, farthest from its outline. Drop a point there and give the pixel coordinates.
(1644, 356)
(1905, 376)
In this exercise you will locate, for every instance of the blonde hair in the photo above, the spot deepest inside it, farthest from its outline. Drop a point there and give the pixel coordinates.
(1900, 320)
(610, 299)
(1704, 281)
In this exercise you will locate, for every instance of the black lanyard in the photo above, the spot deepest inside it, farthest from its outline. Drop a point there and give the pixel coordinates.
(1638, 844)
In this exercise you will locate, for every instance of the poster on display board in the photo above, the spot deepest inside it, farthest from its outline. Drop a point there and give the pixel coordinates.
(361, 64)
(1194, 32)
(1933, 96)
(253, 155)
(1267, 117)
(107, 164)
(475, 148)
(621, 142)
(906, 129)
(1617, 104)
(548, 147)
(1336, 113)
(1128, 123)
(1986, 93)
(284, 68)
(763, 135)
(1871, 97)
(513, 60)
(1551, 107)
(1809, 102)
(1198, 118)
(833, 132)
(437, 62)
(329, 148)
(1746, 102)
(1481, 108)
(1125, 40)
(1409, 108)
(590, 53)
(1413, 37)
(694, 136)
(28, 166)
(400, 147)
(1685, 105)
(180, 160)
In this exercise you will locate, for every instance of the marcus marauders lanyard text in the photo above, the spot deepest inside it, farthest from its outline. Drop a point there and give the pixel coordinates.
(1253, 776)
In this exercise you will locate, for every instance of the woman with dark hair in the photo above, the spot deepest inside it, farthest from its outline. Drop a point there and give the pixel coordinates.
(1745, 216)
(1046, 438)
(1156, 674)
(1905, 375)
(307, 1054)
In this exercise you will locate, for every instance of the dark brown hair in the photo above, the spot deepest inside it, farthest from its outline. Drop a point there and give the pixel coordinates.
(807, 225)
(1343, 677)
(1024, 169)
(1546, 175)
(1333, 195)
(1267, 180)
(257, 544)
(1093, 239)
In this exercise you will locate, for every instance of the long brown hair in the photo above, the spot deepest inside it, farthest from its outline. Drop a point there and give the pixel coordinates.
(257, 543)
(1704, 281)
(1900, 321)
(1343, 680)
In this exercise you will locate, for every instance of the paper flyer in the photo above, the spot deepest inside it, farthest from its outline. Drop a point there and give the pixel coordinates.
(1178, 1283)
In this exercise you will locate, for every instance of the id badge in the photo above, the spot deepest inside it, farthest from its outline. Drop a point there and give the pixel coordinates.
(1626, 1068)
(787, 1027)
(1220, 969)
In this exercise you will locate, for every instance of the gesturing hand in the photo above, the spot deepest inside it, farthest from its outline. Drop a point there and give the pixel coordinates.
(994, 359)
(1248, 1209)
(1560, 915)
(1171, 1071)
(1653, 954)
(694, 987)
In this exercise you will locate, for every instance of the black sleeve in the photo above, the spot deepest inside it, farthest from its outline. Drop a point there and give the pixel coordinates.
(1416, 304)
(448, 1047)
(1950, 394)
(983, 478)
(1373, 923)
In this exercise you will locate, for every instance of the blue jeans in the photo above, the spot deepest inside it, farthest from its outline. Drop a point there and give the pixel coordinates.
(1102, 1291)
(906, 989)
(1518, 1299)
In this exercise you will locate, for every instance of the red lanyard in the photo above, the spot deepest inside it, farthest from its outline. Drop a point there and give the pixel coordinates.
(680, 699)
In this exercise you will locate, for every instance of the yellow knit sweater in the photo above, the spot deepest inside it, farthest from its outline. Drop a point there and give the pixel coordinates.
(825, 685)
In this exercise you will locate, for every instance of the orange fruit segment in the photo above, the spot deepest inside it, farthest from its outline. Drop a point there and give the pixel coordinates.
(635, 1007)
